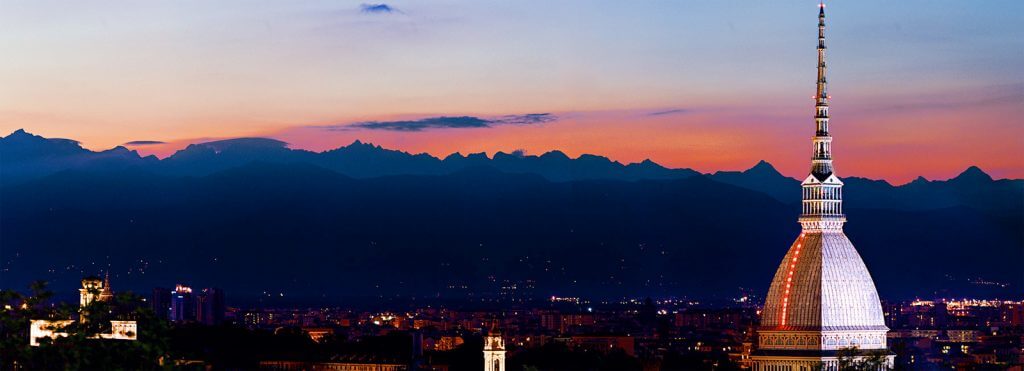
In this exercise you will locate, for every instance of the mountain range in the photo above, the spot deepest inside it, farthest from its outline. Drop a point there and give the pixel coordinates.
(258, 219)
(28, 156)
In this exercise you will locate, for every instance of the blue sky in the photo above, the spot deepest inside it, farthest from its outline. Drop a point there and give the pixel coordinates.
(109, 72)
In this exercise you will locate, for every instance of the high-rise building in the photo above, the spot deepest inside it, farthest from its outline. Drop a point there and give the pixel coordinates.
(494, 350)
(183, 307)
(210, 306)
(822, 299)
(161, 302)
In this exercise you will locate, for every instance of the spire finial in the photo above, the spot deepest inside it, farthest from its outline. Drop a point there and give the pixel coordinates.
(822, 206)
(821, 93)
(494, 330)
(821, 13)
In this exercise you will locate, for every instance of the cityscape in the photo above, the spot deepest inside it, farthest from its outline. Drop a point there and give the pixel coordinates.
(275, 248)
(545, 333)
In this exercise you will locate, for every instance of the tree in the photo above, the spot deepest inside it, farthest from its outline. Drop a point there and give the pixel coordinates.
(15, 312)
(80, 350)
(854, 359)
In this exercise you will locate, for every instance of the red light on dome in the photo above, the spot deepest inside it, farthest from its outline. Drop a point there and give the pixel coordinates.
(789, 280)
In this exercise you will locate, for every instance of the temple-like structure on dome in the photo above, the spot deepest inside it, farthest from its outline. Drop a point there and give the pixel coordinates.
(822, 299)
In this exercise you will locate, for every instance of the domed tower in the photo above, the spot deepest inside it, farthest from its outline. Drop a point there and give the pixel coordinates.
(92, 287)
(822, 298)
(494, 350)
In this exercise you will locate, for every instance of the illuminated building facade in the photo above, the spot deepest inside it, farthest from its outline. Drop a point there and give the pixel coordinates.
(182, 305)
(494, 350)
(210, 306)
(43, 328)
(93, 289)
(822, 298)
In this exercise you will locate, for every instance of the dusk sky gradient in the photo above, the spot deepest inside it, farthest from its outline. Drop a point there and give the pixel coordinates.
(918, 87)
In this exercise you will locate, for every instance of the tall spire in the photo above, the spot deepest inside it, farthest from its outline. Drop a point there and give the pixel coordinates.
(106, 293)
(822, 191)
(822, 161)
(822, 298)
(494, 330)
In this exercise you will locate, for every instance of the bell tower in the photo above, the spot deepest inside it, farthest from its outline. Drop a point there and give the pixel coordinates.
(494, 349)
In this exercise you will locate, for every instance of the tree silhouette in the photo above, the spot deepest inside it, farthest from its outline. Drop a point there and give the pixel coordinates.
(854, 359)
(79, 350)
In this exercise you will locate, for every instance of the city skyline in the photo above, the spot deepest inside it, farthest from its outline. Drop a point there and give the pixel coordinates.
(630, 90)
(457, 186)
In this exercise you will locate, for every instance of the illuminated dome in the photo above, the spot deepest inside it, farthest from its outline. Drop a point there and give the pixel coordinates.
(822, 285)
(822, 298)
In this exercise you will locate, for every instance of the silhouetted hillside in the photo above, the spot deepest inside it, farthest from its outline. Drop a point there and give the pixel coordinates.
(763, 178)
(28, 157)
(25, 156)
(258, 219)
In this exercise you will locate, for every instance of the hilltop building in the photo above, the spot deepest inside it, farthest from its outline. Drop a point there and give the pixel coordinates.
(822, 299)
(93, 290)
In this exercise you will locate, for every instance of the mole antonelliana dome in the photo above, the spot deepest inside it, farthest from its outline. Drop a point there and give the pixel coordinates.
(822, 298)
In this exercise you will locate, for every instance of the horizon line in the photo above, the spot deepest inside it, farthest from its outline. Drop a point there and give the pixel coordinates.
(184, 144)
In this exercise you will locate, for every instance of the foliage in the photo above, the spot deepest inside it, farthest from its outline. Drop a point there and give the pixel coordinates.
(80, 350)
(854, 359)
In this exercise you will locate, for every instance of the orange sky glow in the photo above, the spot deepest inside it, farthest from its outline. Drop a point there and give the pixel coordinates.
(876, 142)
(917, 90)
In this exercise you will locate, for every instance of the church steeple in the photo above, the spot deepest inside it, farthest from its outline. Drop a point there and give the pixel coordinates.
(822, 190)
(494, 349)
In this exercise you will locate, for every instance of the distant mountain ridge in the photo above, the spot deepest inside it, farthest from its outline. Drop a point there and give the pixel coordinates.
(365, 220)
(762, 178)
(27, 156)
(24, 157)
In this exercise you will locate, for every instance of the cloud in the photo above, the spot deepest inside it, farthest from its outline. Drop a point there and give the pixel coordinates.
(446, 122)
(144, 143)
(529, 118)
(427, 123)
(669, 112)
(378, 8)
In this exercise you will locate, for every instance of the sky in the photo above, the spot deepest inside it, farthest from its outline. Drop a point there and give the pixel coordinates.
(918, 87)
